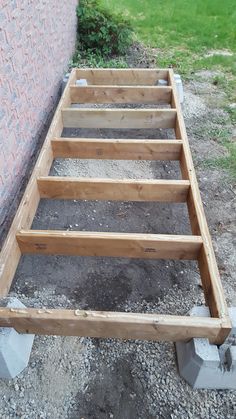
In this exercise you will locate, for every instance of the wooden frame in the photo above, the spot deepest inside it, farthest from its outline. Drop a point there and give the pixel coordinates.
(116, 86)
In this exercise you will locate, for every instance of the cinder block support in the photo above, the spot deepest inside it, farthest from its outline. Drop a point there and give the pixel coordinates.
(15, 348)
(207, 366)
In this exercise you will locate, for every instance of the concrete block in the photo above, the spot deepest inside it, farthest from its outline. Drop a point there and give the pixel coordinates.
(15, 348)
(208, 366)
(232, 314)
(64, 82)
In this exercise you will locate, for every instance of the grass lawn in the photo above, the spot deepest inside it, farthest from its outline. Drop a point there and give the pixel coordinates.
(184, 30)
(190, 35)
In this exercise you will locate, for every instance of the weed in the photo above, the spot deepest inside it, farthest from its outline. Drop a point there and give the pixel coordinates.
(91, 59)
(223, 136)
(227, 162)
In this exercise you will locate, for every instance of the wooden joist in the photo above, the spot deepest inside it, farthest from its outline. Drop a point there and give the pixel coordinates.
(89, 148)
(123, 77)
(118, 94)
(118, 118)
(128, 245)
(54, 187)
(105, 324)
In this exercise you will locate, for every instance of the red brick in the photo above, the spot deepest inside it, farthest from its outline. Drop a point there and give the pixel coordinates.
(37, 41)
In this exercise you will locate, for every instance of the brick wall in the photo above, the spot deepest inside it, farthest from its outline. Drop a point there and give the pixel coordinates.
(37, 39)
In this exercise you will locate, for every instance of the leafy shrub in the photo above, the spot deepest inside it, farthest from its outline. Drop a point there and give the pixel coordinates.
(100, 32)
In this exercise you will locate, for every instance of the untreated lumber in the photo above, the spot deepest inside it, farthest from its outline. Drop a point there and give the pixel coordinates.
(104, 324)
(128, 245)
(57, 187)
(124, 77)
(91, 148)
(118, 118)
(121, 94)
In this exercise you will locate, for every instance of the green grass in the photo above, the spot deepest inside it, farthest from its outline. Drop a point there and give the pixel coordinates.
(228, 161)
(184, 32)
(183, 29)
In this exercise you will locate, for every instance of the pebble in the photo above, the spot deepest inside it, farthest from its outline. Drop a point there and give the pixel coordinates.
(16, 387)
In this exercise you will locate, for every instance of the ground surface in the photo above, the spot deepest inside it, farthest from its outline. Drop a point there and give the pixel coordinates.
(91, 378)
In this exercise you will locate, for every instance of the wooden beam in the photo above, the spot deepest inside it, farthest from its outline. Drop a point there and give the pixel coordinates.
(120, 94)
(55, 187)
(128, 245)
(104, 324)
(122, 77)
(118, 118)
(212, 285)
(10, 253)
(84, 148)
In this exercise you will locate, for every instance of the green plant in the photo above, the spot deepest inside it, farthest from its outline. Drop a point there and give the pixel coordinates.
(101, 32)
(223, 136)
(227, 162)
(90, 59)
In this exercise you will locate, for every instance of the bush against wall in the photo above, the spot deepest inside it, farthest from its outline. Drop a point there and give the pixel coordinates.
(101, 34)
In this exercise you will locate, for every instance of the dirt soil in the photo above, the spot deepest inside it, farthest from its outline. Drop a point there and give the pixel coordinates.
(99, 379)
